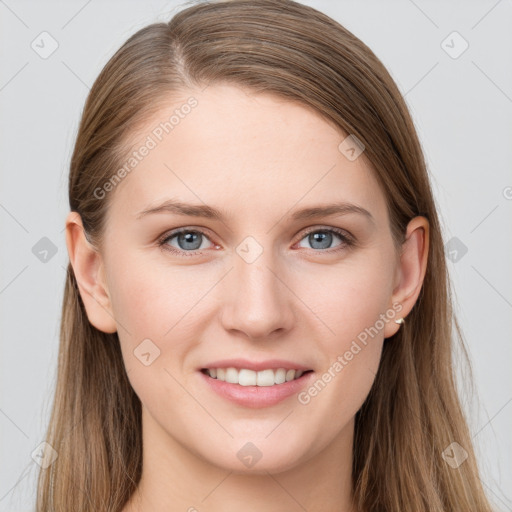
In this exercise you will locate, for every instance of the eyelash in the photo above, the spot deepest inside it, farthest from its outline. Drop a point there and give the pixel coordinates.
(347, 241)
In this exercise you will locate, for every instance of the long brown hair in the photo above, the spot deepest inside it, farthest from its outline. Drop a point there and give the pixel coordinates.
(412, 413)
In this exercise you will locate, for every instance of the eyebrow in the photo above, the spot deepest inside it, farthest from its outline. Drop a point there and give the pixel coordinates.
(208, 212)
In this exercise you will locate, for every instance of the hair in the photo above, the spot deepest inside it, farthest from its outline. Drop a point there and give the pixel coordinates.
(297, 53)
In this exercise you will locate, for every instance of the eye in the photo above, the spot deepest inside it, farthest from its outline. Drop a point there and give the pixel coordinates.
(188, 241)
(323, 238)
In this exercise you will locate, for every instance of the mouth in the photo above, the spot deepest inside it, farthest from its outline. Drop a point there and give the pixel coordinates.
(262, 378)
(256, 389)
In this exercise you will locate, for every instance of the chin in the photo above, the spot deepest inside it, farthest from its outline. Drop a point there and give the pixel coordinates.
(255, 458)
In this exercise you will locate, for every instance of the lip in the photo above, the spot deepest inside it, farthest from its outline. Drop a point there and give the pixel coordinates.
(256, 397)
(269, 364)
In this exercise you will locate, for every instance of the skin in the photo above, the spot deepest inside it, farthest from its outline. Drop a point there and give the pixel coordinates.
(258, 158)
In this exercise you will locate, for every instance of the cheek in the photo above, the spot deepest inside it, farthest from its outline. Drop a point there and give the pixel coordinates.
(352, 308)
(151, 299)
(348, 298)
(350, 355)
(154, 310)
(161, 303)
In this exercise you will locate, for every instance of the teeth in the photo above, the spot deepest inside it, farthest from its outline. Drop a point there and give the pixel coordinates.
(246, 377)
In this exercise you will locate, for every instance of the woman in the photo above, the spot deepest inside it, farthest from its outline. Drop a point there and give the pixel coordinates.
(257, 310)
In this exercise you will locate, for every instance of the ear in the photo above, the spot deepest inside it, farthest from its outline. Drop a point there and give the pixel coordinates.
(89, 272)
(410, 271)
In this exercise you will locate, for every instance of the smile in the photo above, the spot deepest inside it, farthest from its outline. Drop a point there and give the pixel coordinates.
(246, 377)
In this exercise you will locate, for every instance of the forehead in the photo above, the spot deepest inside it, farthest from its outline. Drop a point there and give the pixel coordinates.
(249, 152)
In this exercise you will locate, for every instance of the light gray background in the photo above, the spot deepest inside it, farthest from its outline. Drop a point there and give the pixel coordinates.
(462, 108)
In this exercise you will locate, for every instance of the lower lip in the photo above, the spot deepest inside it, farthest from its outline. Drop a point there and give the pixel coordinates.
(257, 397)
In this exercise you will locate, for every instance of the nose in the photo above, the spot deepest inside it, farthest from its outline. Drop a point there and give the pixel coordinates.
(257, 301)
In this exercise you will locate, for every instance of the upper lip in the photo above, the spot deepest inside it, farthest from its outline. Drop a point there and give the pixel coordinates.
(256, 366)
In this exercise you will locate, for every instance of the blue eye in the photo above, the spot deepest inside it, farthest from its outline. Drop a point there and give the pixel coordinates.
(323, 238)
(190, 242)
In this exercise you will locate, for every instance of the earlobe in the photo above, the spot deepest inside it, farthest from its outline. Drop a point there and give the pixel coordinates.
(89, 272)
(411, 270)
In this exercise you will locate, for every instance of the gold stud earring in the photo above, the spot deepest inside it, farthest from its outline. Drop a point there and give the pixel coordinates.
(400, 321)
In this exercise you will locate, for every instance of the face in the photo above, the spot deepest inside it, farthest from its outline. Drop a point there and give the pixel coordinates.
(265, 278)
